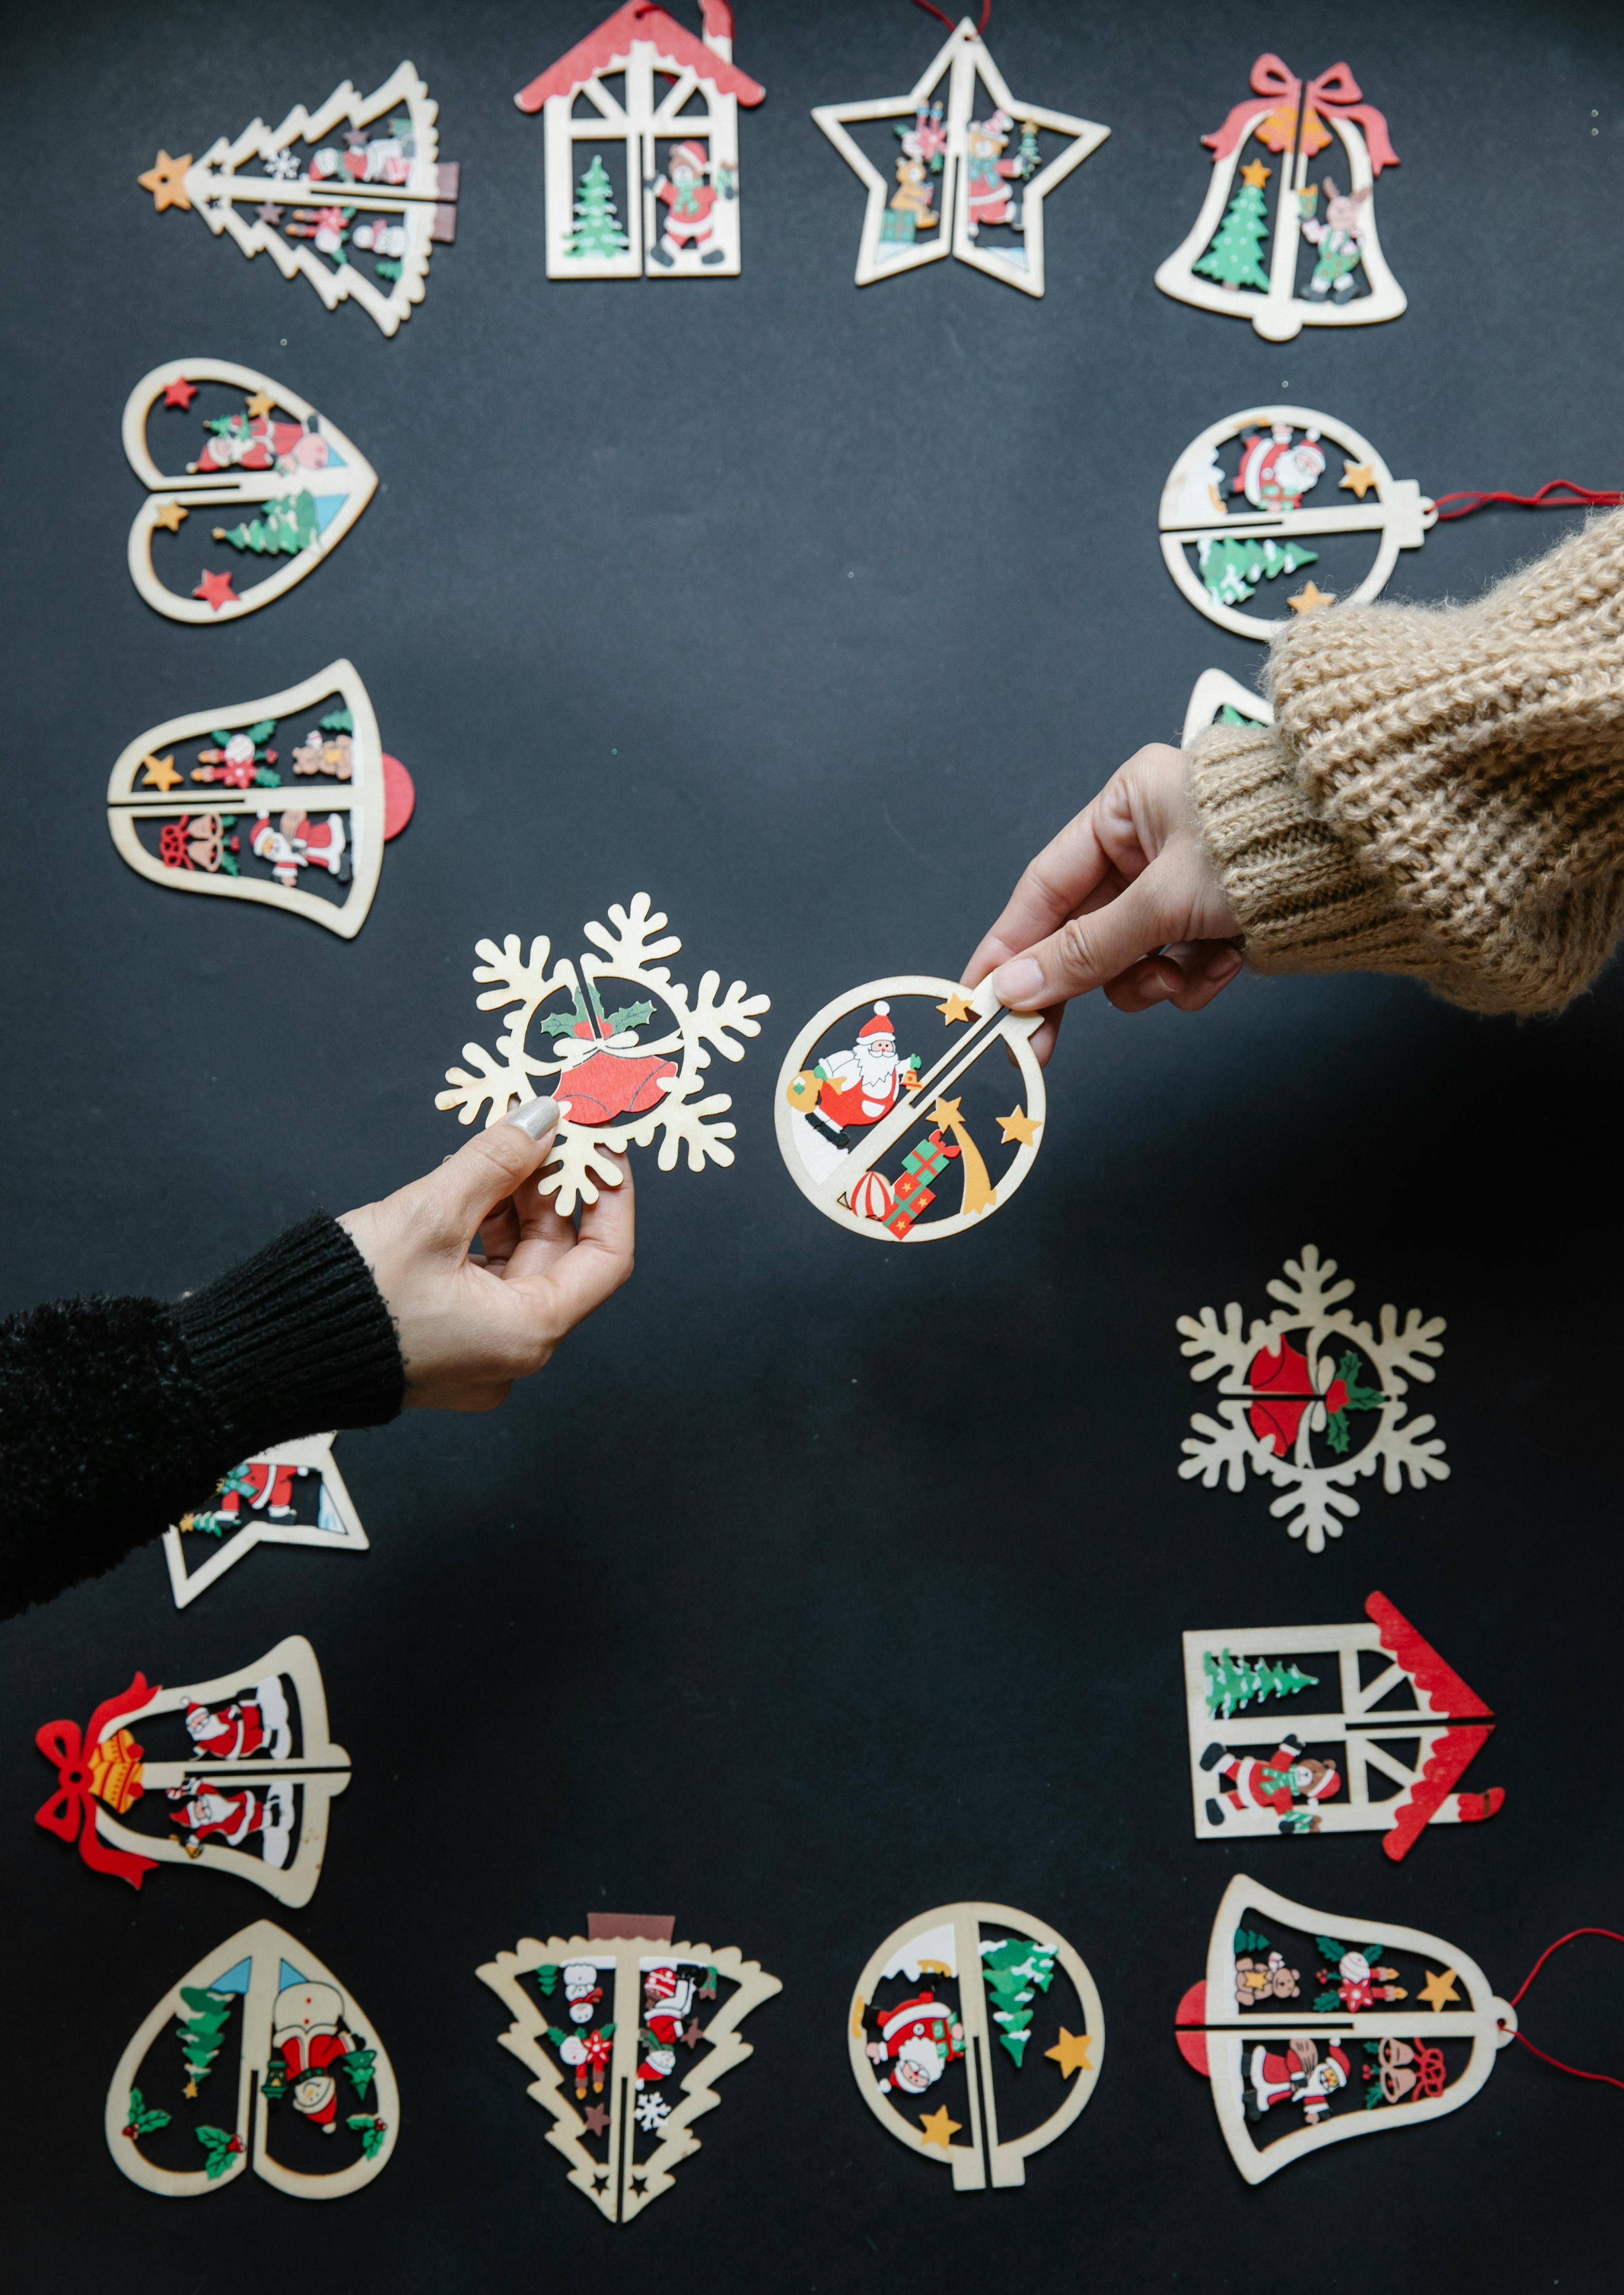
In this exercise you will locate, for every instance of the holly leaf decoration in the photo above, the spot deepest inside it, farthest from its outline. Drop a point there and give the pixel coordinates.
(358, 2064)
(1325, 2003)
(219, 736)
(371, 2129)
(1359, 1398)
(1331, 1950)
(558, 1023)
(631, 1015)
(262, 731)
(143, 2117)
(267, 777)
(338, 720)
(219, 2143)
(1337, 1433)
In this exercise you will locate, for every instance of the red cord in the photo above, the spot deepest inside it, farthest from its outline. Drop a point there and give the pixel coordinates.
(1607, 2077)
(952, 21)
(1578, 498)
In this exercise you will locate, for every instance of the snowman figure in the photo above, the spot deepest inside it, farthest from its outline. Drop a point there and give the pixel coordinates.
(377, 237)
(582, 1991)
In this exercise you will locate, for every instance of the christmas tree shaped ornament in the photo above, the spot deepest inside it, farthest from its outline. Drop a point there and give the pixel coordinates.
(260, 2059)
(289, 800)
(1272, 457)
(947, 2036)
(967, 175)
(1359, 1727)
(1217, 698)
(1313, 1399)
(622, 1077)
(249, 1791)
(619, 206)
(1317, 267)
(1314, 2027)
(299, 478)
(291, 1496)
(864, 1085)
(353, 197)
(625, 2033)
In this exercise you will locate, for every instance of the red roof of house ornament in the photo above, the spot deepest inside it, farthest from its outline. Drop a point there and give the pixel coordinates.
(608, 48)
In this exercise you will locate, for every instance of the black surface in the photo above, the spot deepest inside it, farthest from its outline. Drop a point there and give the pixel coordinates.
(812, 1585)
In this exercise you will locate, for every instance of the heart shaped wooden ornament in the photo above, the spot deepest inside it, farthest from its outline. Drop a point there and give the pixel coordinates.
(301, 482)
(297, 804)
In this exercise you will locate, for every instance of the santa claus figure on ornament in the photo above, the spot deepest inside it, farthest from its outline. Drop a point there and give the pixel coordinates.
(1288, 1776)
(235, 1818)
(918, 2039)
(1274, 474)
(306, 2032)
(245, 1726)
(668, 2000)
(297, 842)
(858, 1087)
(268, 1489)
(255, 442)
(1299, 2074)
(688, 191)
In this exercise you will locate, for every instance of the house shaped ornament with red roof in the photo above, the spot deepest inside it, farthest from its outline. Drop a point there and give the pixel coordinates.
(641, 124)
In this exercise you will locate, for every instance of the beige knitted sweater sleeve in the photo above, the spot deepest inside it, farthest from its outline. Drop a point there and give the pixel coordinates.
(1443, 790)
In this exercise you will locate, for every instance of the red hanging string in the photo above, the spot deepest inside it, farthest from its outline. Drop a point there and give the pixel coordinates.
(1607, 2077)
(1577, 497)
(951, 22)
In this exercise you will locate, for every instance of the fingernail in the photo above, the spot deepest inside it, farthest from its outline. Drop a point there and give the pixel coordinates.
(1020, 985)
(1223, 966)
(535, 1118)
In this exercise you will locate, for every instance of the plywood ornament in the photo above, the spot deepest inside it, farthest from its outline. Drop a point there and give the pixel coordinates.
(1359, 1727)
(641, 80)
(1313, 1399)
(1219, 557)
(260, 2059)
(293, 1495)
(944, 2015)
(251, 1793)
(300, 479)
(357, 212)
(1217, 698)
(618, 1085)
(968, 177)
(1314, 2028)
(619, 2014)
(189, 801)
(1315, 268)
(852, 1095)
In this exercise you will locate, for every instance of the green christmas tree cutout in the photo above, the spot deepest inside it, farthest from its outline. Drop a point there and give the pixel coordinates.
(1010, 1971)
(201, 2033)
(1232, 1683)
(1235, 258)
(285, 529)
(1233, 565)
(597, 230)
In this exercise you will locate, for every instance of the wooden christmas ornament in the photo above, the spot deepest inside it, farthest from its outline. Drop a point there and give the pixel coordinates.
(1313, 1399)
(291, 1496)
(1217, 698)
(618, 1085)
(646, 2025)
(277, 457)
(1359, 1727)
(1320, 267)
(1220, 557)
(645, 214)
(852, 1095)
(955, 1998)
(1314, 2027)
(357, 212)
(257, 2058)
(967, 177)
(190, 805)
(250, 1794)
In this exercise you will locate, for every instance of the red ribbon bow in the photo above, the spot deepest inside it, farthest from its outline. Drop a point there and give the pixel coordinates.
(1336, 91)
(71, 1813)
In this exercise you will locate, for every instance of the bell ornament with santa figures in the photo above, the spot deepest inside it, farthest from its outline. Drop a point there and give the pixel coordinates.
(1316, 266)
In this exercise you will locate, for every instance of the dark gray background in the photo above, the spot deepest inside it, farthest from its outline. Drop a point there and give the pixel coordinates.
(811, 1585)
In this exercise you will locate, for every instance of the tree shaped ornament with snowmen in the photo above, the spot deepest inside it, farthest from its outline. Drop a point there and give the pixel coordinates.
(964, 171)
(1314, 265)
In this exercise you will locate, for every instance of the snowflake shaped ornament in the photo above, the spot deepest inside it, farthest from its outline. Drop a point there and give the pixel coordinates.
(1312, 1399)
(618, 1086)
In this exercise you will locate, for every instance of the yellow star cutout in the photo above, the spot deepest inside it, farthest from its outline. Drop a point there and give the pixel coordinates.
(171, 516)
(946, 1112)
(936, 2128)
(955, 1008)
(190, 2088)
(164, 179)
(1071, 2052)
(1257, 174)
(1438, 1989)
(260, 403)
(1357, 477)
(1019, 1126)
(1309, 600)
(160, 773)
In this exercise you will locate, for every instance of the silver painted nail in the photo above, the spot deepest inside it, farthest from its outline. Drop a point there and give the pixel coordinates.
(535, 1117)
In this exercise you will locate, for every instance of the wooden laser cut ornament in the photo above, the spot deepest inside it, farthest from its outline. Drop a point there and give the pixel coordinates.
(1233, 263)
(253, 1797)
(620, 2012)
(955, 174)
(1379, 2054)
(984, 1973)
(359, 222)
(305, 2052)
(1284, 458)
(1292, 1729)
(264, 1502)
(1217, 698)
(840, 1116)
(675, 218)
(299, 480)
(329, 772)
(619, 1087)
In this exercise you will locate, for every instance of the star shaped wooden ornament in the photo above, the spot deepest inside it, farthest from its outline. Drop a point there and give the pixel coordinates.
(597, 2117)
(159, 773)
(1071, 2052)
(1019, 1126)
(165, 179)
(258, 402)
(170, 516)
(1440, 1988)
(1309, 599)
(937, 2128)
(215, 589)
(180, 392)
(955, 1006)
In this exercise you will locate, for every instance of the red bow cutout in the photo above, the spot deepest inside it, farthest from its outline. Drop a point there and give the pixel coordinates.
(1336, 91)
(71, 1813)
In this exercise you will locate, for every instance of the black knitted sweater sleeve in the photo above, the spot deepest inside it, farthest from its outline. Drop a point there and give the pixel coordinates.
(119, 1415)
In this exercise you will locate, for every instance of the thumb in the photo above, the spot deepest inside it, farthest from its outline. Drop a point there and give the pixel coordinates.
(467, 1185)
(1087, 951)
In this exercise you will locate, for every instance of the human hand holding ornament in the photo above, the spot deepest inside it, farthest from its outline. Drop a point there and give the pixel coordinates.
(1125, 898)
(470, 1326)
